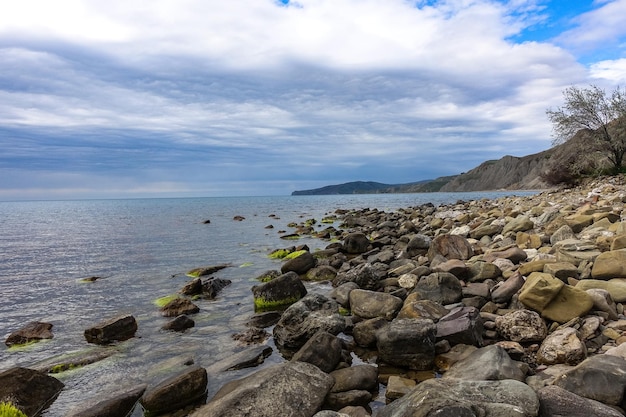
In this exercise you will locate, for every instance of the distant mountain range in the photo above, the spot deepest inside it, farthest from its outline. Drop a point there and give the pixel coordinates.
(506, 173)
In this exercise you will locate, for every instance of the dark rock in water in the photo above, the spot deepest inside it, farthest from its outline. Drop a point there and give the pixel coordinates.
(176, 392)
(29, 390)
(33, 331)
(489, 363)
(263, 320)
(239, 218)
(268, 275)
(300, 264)
(294, 389)
(251, 336)
(194, 287)
(279, 292)
(206, 221)
(462, 325)
(356, 243)
(179, 324)
(306, 317)
(120, 405)
(116, 329)
(179, 306)
(555, 401)
(601, 378)
(408, 342)
(322, 350)
(213, 286)
(206, 270)
(74, 360)
(458, 398)
(358, 377)
(248, 358)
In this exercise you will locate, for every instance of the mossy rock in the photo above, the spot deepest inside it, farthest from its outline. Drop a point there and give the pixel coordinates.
(279, 254)
(246, 264)
(329, 220)
(9, 410)
(165, 300)
(295, 254)
(264, 305)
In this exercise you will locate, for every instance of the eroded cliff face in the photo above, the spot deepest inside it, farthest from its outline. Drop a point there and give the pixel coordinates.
(509, 172)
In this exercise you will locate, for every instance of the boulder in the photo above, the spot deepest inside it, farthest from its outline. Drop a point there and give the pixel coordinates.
(300, 264)
(295, 389)
(176, 392)
(179, 306)
(522, 326)
(321, 273)
(407, 342)
(481, 271)
(179, 324)
(463, 325)
(444, 361)
(341, 294)
(212, 286)
(306, 317)
(418, 246)
(555, 401)
(570, 303)
(563, 233)
(450, 247)
(486, 230)
(562, 346)
(121, 404)
(602, 301)
(247, 358)
(616, 287)
(279, 292)
(489, 363)
(414, 308)
(561, 270)
(370, 304)
(322, 350)
(31, 332)
(358, 377)
(364, 275)
(441, 287)
(518, 224)
(514, 254)
(339, 400)
(364, 332)
(458, 398)
(600, 377)
(610, 264)
(356, 243)
(29, 390)
(116, 329)
(505, 290)
(398, 387)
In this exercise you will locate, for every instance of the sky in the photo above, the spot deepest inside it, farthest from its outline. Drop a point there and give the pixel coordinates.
(194, 98)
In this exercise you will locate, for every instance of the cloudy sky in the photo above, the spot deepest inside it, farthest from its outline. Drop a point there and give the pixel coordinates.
(174, 98)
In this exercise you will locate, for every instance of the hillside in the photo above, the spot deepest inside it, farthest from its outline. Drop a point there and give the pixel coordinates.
(508, 172)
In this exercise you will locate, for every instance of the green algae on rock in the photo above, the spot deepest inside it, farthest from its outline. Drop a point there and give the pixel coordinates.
(9, 410)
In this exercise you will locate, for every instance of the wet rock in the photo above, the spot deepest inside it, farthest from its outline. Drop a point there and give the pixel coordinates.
(116, 329)
(358, 377)
(32, 332)
(300, 264)
(371, 304)
(179, 306)
(463, 325)
(176, 392)
(407, 342)
(206, 270)
(522, 326)
(263, 320)
(279, 292)
(322, 350)
(29, 390)
(555, 401)
(247, 358)
(194, 287)
(398, 387)
(117, 405)
(562, 346)
(179, 324)
(486, 364)
(458, 398)
(212, 287)
(364, 332)
(295, 389)
(251, 336)
(306, 317)
(356, 243)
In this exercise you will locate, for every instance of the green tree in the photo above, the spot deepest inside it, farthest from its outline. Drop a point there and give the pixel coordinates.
(600, 116)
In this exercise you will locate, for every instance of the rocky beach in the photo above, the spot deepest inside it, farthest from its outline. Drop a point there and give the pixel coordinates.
(503, 307)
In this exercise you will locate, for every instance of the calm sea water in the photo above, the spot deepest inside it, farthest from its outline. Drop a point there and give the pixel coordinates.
(141, 249)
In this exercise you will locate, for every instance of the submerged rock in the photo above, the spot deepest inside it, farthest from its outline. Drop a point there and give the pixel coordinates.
(176, 392)
(33, 331)
(116, 329)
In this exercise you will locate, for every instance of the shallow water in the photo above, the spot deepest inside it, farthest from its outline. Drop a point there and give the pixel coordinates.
(141, 249)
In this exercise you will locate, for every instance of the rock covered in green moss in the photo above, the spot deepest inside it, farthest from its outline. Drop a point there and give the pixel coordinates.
(33, 331)
(279, 292)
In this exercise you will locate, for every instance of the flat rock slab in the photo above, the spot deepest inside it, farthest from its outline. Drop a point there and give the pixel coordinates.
(176, 392)
(248, 358)
(116, 329)
(33, 331)
(117, 405)
(29, 390)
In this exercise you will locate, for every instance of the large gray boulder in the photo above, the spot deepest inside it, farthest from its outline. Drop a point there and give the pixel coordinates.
(463, 325)
(303, 319)
(295, 389)
(459, 398)
(322, 350)
(407, 342)
(29, 390)
(371, 304)
(490, 363)
(440, 287)
(557, 402)
(300, 264)
(176, 392)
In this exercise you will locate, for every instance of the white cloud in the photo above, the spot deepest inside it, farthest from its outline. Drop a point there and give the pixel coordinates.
(613, 71)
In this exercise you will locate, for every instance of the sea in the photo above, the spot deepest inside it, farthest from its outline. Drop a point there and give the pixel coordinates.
(140, 250)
